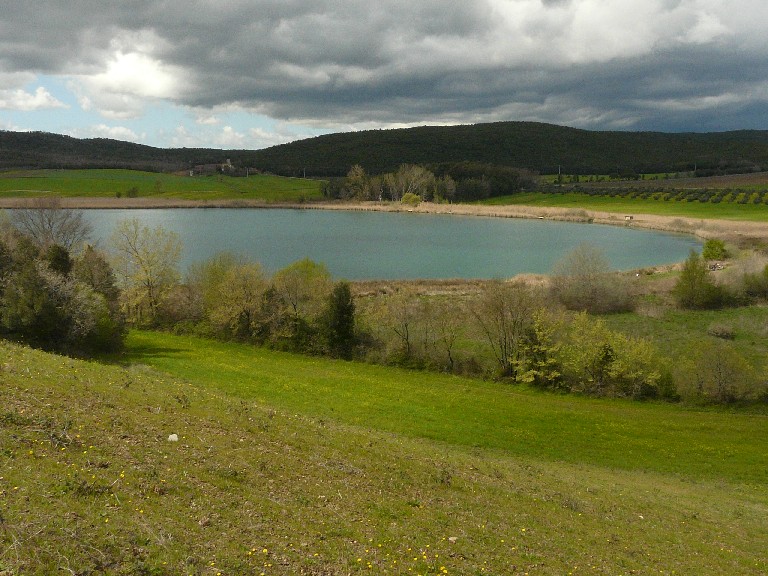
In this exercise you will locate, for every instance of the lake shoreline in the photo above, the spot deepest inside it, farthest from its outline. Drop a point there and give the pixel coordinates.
(736, 231)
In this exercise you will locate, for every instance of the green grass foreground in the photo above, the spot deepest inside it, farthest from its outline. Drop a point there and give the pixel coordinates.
(295, 465)
(110, 183)
(624, 434)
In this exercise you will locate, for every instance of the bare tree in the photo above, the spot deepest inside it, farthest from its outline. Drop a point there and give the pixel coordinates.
(504, 312)
(583, 280)
(47, 223)
(146, 263)
(410, 179)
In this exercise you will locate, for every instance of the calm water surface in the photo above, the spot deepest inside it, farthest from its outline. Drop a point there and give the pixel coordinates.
(376, 245)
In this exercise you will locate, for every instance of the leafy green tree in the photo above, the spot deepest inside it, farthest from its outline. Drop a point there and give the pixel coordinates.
(694, 288)
(714, 249)
(717, 372)
(204, 279)
(238, 308)
(31, 308)
(601, 362)
(539, 363)
(301, 290)
(93, 269)
(339, 322)
(356, 184)
(58, 259)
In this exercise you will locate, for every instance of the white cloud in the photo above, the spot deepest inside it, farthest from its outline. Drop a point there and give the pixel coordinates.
(352, 65)
(25, 101)
(129, 75)
(114, 132)
(207, 119)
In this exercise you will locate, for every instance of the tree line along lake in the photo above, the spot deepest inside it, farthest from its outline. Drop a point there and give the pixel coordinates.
(358, 245)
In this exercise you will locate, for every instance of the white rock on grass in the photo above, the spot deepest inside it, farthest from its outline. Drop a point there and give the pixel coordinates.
(173, 438)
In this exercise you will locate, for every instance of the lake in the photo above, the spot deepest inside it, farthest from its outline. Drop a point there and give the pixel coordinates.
(377, 245)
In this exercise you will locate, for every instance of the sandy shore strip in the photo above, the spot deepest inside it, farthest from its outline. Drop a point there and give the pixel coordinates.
(736, 231)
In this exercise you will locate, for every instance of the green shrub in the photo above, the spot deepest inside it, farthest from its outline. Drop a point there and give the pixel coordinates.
(695, 289)
(714, 249)
(411, 199)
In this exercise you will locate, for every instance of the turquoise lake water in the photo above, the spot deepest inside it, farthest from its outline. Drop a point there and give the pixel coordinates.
(377, 245)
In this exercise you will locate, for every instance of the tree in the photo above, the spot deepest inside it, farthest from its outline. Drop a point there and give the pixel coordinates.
(599, 361)
(237, 308)
(448, 324)
(413, 179)
(539, 363)
(57, 312)
(339, 322)
(716, 371)
(146, 263)
(301, 290)
(93, 269)
(582, 280)
(46, 222)
(504, 313)
(58, 259)
(694, 288)
(356, 184)
(400, 316)
(714, 249)
(32, 307)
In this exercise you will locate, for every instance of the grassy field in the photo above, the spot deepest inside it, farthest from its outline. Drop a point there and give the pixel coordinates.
(726, 211)
(678, 331)
(110, 183)
(263, 481)
(472, 413)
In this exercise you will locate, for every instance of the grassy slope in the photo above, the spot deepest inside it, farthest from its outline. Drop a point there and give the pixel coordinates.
(90, 483)
(107, 183)
(459, 411)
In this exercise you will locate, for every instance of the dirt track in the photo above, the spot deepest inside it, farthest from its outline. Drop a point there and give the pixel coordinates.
(739, 232)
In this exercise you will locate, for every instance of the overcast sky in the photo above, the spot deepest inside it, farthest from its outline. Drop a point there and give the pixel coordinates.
(253, 73)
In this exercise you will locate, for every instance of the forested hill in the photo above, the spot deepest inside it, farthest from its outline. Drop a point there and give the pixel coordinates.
(543, 148)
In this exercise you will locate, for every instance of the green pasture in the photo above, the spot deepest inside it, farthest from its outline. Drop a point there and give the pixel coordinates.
(91, 481)
(125, 183)
(605, 203)
(677, 332)
(627, 435)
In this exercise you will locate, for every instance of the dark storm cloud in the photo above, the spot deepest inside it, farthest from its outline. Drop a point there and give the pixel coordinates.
(657, 64)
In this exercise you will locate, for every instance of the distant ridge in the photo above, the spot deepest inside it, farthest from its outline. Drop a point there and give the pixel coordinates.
(538, 147)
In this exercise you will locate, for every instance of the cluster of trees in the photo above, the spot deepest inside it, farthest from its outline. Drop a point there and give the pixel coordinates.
(461, 181)
(541, 336)
(58, 293)
(50, 296)
(298, 309)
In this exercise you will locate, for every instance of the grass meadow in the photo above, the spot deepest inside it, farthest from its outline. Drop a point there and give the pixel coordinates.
(112, 183)
(705, 210)
(295, 465)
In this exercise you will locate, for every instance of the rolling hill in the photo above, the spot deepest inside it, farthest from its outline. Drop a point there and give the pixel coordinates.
(542, 148)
